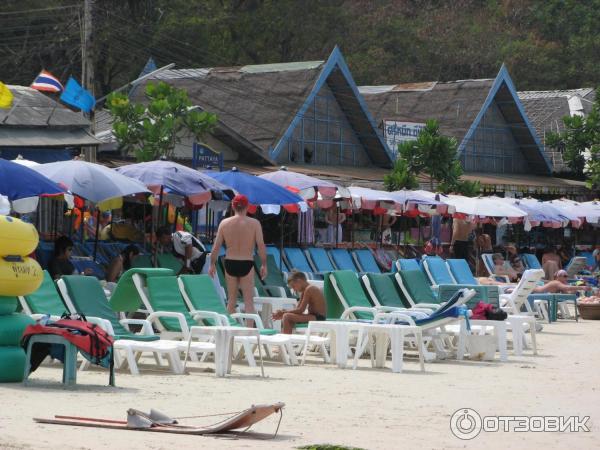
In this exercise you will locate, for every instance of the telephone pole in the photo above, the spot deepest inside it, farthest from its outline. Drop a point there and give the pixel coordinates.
(87, 67)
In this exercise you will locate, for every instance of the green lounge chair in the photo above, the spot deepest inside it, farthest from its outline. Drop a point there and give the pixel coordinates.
(125, 297)
(86, 296)
(416, 289)
(199, 294)
(46, 300)
(346, 297)
(142, 261)
(169, 261)
(384, 291)
(275, 282)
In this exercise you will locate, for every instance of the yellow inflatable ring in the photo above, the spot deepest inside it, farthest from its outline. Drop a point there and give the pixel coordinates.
(16, 237)
(19, 276)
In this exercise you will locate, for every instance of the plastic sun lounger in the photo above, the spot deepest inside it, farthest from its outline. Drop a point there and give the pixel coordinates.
(277, 257)
(84, 295)
(342, 259)
(576, 265)
(407, 264)
(531, 261)
(365, 261)
(142, 262)
(296, 259)
(383, 292)
(416, 290)
(45, 300)
(348, 293)
(275, 282)
(165, 302)
(488, 263)
(84, 263)
(320, 260)
(169, 261)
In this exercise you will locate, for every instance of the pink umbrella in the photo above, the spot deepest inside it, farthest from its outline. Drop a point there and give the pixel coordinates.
(309, 188)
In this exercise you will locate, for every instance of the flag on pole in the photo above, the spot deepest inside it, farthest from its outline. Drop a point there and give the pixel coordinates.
(47, 82)
(77, 96)
(6, 97)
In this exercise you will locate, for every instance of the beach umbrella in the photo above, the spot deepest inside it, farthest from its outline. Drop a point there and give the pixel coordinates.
(22, 186)
(173, 178)
(484, 207)
(539, 213)
(25, 162)
(308, 187)
(366, 198)
(18, 181)
(93, 182)
(420, 201)
(592, 211)
(258, 190)
(569, 209)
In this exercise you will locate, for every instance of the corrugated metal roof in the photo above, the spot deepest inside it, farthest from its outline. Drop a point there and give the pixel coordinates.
(31, 108)
(281, 67)
(581, 92)
(45, 137)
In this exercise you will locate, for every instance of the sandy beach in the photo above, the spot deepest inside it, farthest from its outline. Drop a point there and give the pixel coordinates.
(365, 408)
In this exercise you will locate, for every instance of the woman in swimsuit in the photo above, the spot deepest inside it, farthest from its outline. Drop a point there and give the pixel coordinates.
(311, 297)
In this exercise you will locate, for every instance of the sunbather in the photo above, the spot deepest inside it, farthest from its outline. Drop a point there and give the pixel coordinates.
(501, 267)
(559, 285)
(311, 297)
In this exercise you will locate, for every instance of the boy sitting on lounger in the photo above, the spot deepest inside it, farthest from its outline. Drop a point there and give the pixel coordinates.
(311, 297)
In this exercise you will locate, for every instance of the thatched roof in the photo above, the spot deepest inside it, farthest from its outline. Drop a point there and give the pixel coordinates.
(258, 105)
(453, 104)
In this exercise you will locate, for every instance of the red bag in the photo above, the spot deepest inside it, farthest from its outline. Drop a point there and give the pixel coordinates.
(480, 310)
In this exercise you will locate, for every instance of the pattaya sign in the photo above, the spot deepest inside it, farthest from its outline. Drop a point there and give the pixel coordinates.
(397, 132)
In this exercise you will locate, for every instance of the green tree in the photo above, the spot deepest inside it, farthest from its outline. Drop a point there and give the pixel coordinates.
(400, 177)
(581, 143)
(433, 155)
(152, 129)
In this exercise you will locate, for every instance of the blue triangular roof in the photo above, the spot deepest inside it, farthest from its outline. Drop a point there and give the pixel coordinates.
(504, 92)
(336, 71)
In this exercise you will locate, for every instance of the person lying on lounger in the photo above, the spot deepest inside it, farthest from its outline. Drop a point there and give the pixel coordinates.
(311, 297)
(559, 285)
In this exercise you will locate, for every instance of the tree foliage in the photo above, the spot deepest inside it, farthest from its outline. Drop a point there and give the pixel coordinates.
(546, 44)
(434, 156)
(580, 142)
(151, 130)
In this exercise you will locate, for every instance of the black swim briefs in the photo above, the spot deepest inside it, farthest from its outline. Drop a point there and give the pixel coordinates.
(237, 267)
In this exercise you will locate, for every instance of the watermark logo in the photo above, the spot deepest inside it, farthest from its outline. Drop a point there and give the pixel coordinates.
(466, 423)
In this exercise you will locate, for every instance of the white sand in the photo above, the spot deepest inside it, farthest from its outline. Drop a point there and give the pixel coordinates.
(364, 408)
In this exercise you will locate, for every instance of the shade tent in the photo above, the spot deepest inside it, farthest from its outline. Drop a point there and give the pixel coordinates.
(365, 198)
(569, 209)
(539, 213)
(93, 182)
(592, 211)
(198, 188)
(268, 195)
(484, 207)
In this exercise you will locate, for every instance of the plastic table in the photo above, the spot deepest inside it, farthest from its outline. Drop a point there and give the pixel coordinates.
(70, 362)
(224, 338)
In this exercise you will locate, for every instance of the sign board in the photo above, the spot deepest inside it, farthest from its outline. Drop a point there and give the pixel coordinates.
(204, 156)
(396, 132)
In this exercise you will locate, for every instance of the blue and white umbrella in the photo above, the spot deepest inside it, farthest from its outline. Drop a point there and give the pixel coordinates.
(93, 182)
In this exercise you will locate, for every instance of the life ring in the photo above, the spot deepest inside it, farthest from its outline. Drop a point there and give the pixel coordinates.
(19, 276)
(17, 237)
(12, 362)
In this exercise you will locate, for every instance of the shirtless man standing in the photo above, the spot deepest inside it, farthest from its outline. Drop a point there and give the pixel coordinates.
(310, 297)
(240, 234)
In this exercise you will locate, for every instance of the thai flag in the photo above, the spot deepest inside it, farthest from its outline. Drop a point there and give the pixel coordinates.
(47, 82)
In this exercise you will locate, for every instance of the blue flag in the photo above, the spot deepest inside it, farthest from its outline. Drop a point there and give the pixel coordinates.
(77, 96)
